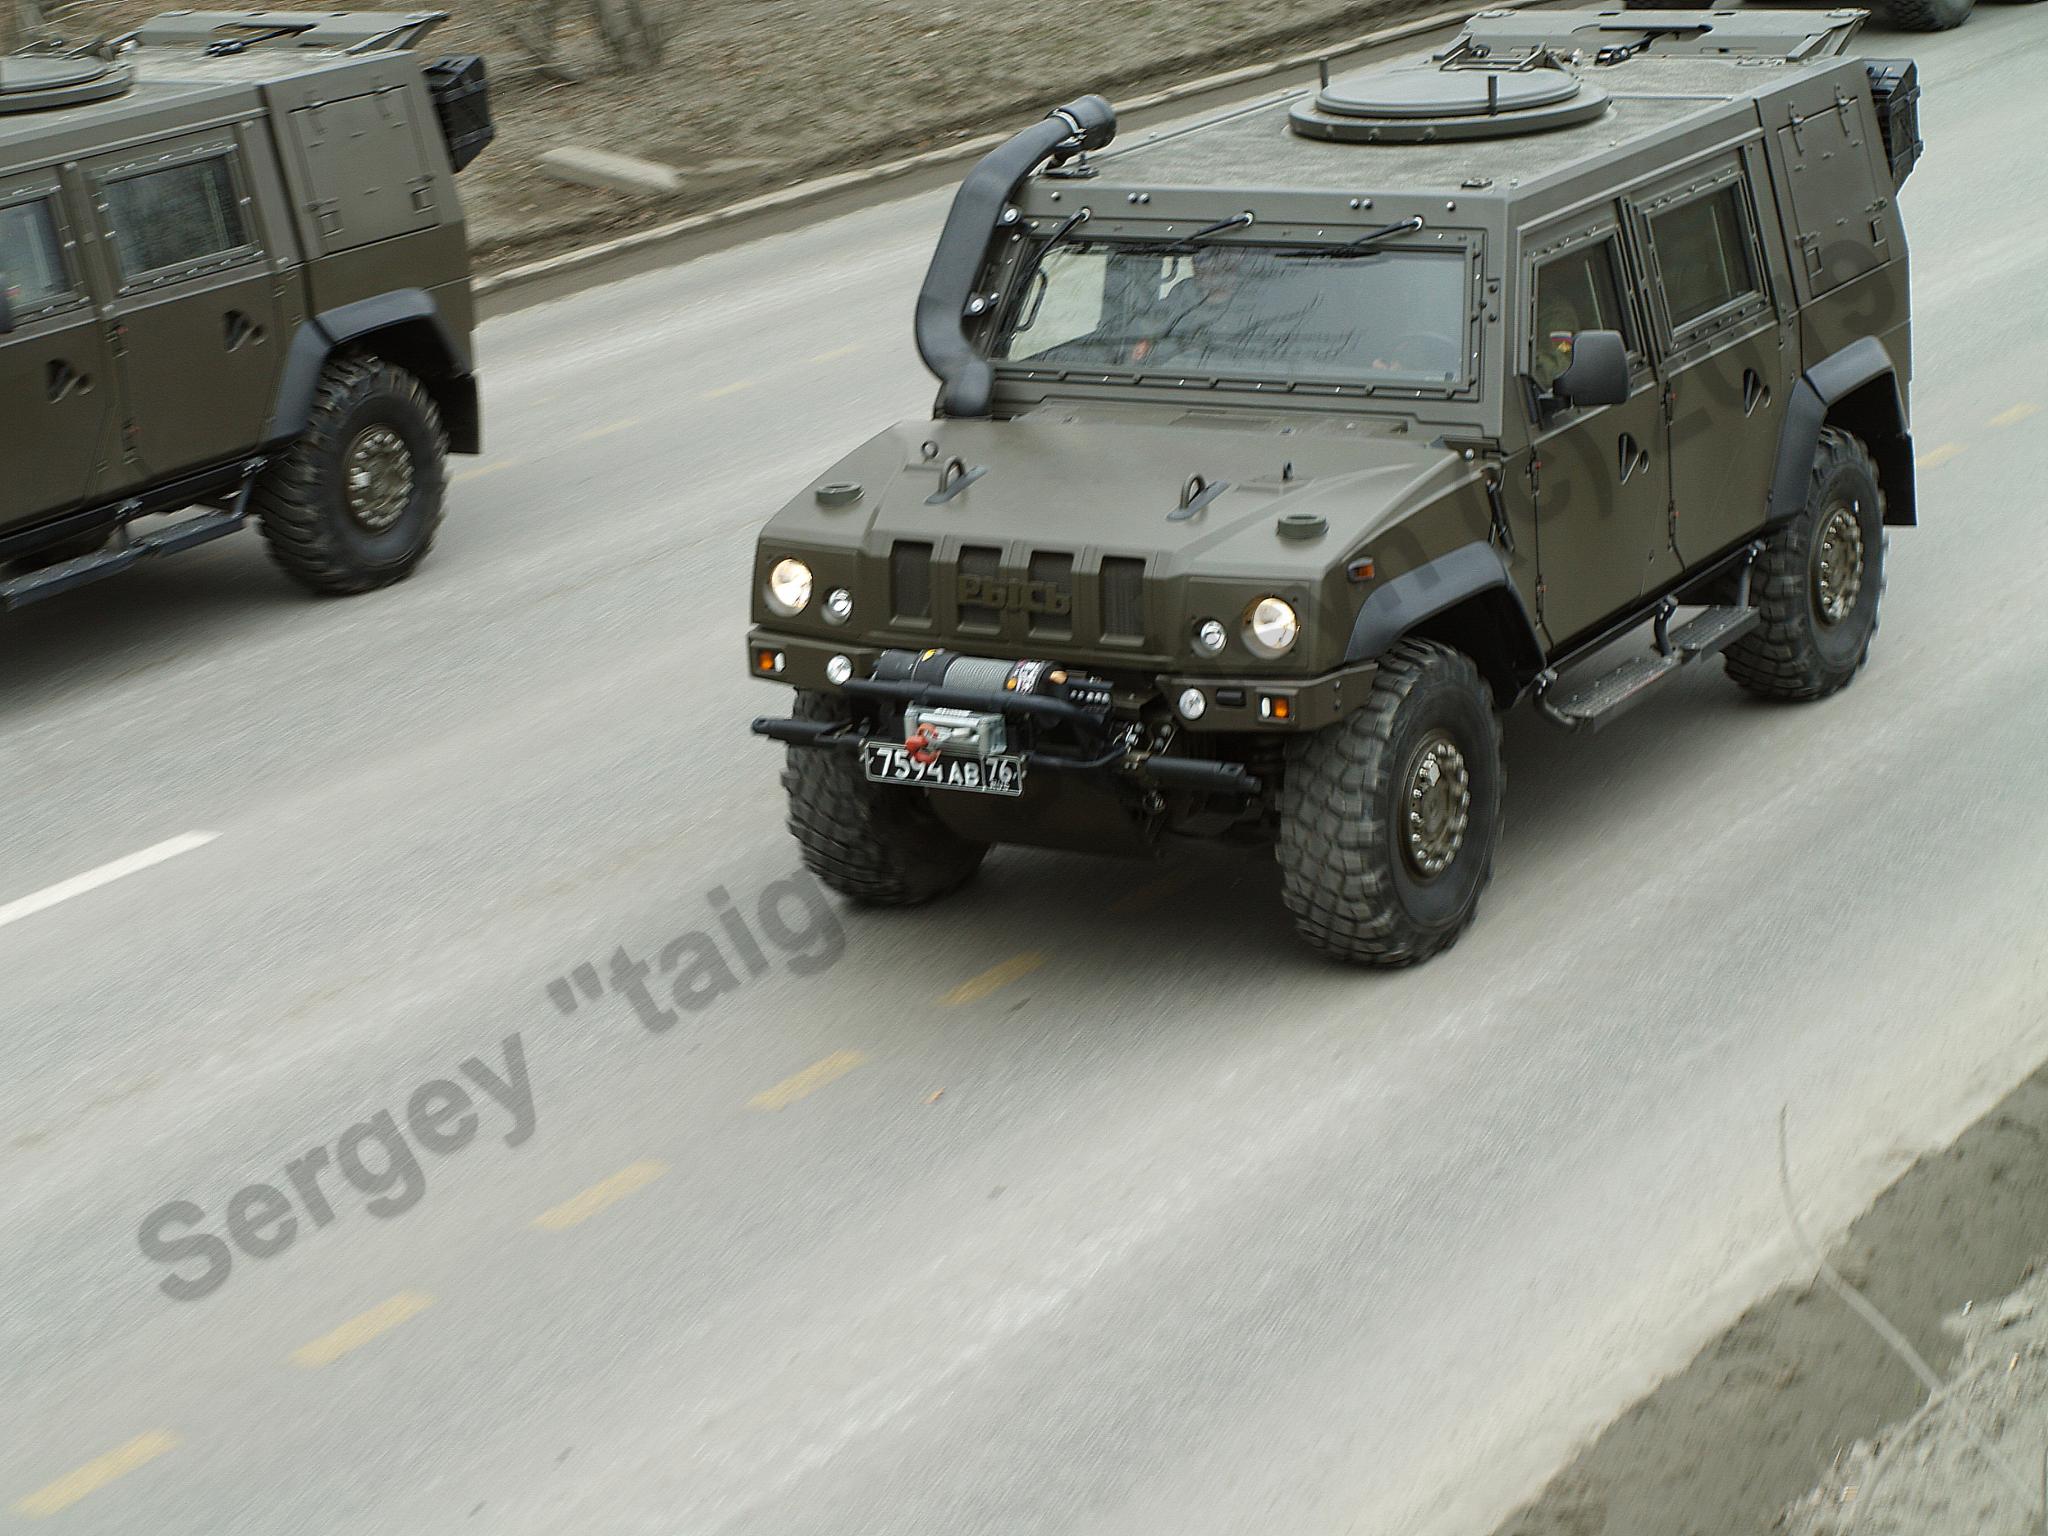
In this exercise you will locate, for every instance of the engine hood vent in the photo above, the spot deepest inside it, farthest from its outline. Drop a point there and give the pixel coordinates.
(29, 83)
(1416, 103)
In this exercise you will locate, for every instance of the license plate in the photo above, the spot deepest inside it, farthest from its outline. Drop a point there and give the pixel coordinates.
(887, 763)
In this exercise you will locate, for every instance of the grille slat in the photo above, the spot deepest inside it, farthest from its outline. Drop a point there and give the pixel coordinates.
(1056, 571)
(985, 562)
(910, 580)
(1123, 597)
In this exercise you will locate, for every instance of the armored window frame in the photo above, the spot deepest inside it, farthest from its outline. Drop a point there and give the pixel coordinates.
(165, 160)
(45, 192)
(1729, 178)
(1546, 251)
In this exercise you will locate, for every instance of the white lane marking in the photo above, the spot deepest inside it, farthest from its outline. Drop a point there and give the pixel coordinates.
(106, 874)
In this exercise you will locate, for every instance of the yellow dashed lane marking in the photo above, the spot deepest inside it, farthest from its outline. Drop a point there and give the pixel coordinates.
(96, 1474)
(485, 469)
(358, 1331)
(808, 1081)
(607, 1192)
(995, 978)
(2014, 415)
(606, 431)
(1935, 457)
(836, 353)
(729, 389)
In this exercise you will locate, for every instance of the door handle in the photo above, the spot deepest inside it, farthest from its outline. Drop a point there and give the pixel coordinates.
(237, 328)
(63, 383)
(1634, 458)
(1755, 392)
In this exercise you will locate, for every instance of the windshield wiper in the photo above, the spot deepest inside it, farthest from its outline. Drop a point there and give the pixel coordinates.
(1363, 245)
(1187, 243)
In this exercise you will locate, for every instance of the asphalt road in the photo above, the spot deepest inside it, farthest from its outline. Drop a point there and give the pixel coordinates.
(1087, 1202)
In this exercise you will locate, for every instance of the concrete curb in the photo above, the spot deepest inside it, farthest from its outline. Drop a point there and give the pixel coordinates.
(501, 292)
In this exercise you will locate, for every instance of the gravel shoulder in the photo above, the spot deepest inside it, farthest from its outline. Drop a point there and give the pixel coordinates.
(1799, 1419)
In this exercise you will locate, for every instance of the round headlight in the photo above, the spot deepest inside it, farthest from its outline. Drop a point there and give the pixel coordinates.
(1210, 636)
(789, 586)
(838, 606)
(1271, 628)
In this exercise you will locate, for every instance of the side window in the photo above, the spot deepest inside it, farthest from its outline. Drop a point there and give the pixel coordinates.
(175, 217)
(32, 258)
(1705, 254)
(1579, 291)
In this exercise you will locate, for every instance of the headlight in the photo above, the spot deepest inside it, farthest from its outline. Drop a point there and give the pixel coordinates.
(1210, 636)
(789, 587)
(1270, 627)
(838, 606)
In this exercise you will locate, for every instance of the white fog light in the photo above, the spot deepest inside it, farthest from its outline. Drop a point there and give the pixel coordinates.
(1210, 636)
(1271, 628)
(789, 586)
(1192, 705)
(838, 606)
(838, 670)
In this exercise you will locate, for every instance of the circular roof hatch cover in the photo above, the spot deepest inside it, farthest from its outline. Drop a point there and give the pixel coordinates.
(30, 83)
(1414, 104)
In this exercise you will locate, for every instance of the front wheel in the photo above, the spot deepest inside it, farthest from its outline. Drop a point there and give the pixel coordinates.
(1389, 818)
(874, 843)
(1924, 15)
(1818, 582)
(356, 501)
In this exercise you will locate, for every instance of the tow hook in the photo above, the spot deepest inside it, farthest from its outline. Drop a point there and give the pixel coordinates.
(922, 744)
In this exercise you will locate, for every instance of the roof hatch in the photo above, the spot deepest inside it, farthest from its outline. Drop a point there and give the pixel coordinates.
(31, 82)
(1460, 97)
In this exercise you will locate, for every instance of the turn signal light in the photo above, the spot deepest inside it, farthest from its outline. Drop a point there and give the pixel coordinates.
(768, 661)
(1272, 708)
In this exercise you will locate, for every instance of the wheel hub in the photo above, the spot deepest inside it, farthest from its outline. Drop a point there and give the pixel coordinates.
(1438, 804)
(378, 470)
(1838, 564)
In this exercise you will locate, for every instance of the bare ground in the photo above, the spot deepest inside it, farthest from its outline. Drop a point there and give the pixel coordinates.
(1801, 1390)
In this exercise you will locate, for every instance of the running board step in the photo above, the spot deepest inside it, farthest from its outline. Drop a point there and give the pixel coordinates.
(52, 579)
(1613, 692)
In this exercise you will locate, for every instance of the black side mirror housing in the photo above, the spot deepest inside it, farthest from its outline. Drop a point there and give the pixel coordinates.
(1598, 374)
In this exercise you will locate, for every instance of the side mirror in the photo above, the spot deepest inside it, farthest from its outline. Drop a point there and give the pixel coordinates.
(1598, 374)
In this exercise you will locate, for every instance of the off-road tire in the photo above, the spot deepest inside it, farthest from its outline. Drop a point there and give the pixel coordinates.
(1794, 653)
(1346, 874)
(1924, 15)
(878, 845)
(302, 502)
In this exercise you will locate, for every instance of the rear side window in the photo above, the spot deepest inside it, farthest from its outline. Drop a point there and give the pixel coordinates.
(180, 216)
(1577, 292)
(1704, 254)
(32, 257)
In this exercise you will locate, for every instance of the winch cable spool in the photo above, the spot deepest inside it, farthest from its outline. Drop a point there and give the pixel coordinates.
(1086, 123)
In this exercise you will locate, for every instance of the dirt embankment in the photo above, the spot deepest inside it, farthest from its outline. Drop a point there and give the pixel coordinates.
(1801, 1390)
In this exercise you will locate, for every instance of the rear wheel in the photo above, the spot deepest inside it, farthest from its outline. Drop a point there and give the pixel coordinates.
(1390, 818)
(1818, 583)
(875, 844)
(1924, 15)
(356, 501)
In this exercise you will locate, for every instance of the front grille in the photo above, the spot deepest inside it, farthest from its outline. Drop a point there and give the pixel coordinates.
(985, 562)
(910, 580)
(1123, 597)
(1055, 574)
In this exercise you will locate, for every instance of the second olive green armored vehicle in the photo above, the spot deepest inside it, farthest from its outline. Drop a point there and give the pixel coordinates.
(1276, 458)
(234, 284)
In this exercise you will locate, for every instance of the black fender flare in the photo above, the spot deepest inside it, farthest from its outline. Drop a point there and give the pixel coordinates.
(1472, 582)
(1863, 369)
(430, 348)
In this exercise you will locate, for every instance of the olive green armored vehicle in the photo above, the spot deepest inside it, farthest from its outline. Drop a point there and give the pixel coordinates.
(1276, 458)
(233, 284)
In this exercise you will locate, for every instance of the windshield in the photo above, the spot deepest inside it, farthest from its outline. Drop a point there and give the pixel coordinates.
(1307, 313)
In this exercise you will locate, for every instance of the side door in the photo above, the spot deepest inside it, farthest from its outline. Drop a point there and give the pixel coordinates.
(1602, 485)
(1724, 358)
(54, 391)
(194, 307)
